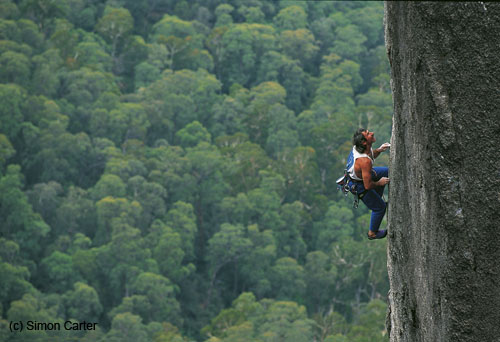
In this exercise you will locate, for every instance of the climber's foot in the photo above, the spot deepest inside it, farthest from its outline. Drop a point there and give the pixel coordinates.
(377, 235)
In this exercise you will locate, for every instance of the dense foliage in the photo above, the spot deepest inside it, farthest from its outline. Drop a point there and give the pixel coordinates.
(167, 169)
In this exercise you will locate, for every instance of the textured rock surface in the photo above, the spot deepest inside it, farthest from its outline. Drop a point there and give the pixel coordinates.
(444, 240)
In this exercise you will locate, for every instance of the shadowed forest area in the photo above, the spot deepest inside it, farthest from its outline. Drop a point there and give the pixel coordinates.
(167, 169)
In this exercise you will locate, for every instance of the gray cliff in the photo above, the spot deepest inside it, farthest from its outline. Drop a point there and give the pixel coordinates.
(444, 210)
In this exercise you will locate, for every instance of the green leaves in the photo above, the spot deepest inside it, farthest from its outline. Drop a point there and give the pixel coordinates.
(242, 46)
(18, 221)
(166, 247)
(286, 321)
(193, 134)
(57, 272)
(261, 321)
(14, 282)
(44, 11)
(299, 44)
(83, 303)
(8, 9)
(288, 279)
(114, 25)
(228, 245)
(127, 327)
(14, 68)
(182, 42)
(178, 99)
(160, 293)
(291, 18)
(349, 42)
(11, 117)
(84, 86)
(320, 275)
(46, 76)
(6, 150)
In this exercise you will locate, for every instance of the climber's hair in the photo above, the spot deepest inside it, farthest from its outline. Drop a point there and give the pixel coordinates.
(358, 139)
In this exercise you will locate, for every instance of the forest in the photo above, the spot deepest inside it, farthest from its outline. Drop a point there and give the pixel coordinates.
(168, 167)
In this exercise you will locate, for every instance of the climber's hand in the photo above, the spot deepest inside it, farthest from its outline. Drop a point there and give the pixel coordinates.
(384, 147)
(383, 181)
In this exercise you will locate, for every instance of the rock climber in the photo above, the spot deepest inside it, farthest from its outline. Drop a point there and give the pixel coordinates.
(368, 181)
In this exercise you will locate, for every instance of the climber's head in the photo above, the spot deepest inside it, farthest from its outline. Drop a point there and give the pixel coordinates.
(363, 138)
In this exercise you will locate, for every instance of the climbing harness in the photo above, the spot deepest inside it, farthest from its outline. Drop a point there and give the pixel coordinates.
(343, 183)
(348, 185)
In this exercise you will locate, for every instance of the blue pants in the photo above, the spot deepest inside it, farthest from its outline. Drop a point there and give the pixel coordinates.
(373, 197)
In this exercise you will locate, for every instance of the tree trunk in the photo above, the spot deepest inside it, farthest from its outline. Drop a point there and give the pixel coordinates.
(444, 232)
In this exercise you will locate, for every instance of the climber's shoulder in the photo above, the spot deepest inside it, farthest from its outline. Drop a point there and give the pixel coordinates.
(364, 163)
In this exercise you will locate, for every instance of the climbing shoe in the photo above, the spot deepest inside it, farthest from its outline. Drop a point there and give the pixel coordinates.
(379, 235)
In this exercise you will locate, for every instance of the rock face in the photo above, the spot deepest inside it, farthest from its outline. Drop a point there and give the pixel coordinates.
(444, 211)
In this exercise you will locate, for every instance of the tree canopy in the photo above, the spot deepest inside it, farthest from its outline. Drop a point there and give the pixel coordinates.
(167, 169)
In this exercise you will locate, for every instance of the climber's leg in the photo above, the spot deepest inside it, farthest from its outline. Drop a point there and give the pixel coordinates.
(378, 206)
(377, 173)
